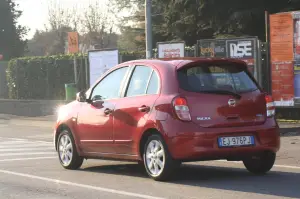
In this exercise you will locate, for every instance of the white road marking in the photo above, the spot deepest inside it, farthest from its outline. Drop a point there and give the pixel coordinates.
(23, 142)
(13, 138)
(276, 165)
(56, 181)
(26, 154)
(22, 139)
(13, 147)
(28, 145)
(26, 149)
(287, 166)
(21, 159)
(12, 142)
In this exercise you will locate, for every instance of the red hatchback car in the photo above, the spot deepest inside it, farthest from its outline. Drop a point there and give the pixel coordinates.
(165, 112)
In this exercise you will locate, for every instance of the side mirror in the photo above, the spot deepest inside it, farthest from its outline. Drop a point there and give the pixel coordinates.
(98, 104)
(81, 97)
(97, 101)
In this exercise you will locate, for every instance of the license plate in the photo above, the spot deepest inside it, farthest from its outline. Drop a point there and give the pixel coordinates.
(236, 141)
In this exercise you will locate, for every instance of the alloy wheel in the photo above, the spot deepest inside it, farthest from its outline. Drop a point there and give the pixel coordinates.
(155, 157)
(65, 149)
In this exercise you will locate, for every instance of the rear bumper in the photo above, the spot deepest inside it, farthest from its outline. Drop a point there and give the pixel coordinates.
(204, 146)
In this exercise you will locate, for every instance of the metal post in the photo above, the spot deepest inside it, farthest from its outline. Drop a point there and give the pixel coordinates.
(87, 81)
(17, 77)
(148, 19)
(75, 72)
(268, 60)
(47, 82)
(259, 63)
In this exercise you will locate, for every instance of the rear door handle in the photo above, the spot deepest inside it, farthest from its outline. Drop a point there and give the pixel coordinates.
(144, 109)
(108, 111)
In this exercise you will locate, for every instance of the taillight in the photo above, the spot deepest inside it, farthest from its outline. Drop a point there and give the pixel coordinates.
(182, 109)
(270, 106)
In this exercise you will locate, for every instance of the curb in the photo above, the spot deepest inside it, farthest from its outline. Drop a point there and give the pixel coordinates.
(286, 132)
(31, 123)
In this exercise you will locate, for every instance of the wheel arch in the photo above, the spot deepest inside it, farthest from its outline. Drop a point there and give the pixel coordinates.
(147, 133)
(59, 129)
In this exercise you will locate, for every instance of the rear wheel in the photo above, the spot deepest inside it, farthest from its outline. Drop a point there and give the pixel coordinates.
(157, 160)
(67, 153)
(260, 164)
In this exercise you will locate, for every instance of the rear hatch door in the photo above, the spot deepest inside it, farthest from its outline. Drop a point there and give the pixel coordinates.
(222, 94)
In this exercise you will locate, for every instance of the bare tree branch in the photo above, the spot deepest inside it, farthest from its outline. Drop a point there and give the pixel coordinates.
(98, 24)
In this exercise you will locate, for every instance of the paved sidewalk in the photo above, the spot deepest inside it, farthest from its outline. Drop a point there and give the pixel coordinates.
(44, 121)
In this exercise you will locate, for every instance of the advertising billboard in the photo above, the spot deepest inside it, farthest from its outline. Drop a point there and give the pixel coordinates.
(212, 48)
(282, 58)
(101, 61)
(296, 17)
(244, 49)
(170, 49)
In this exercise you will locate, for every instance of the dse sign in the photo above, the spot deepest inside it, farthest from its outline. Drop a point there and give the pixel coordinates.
(241, 49)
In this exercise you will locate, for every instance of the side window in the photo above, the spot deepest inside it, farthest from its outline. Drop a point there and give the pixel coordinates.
(139, 81)
(109, 87)
(153, 87)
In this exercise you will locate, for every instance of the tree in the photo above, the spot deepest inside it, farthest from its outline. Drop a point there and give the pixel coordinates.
(133, 36)
(60, 22)
(248, 17)
(132, 25)
(98, 24)
(191, 20)
(94, 24)
(12, 43)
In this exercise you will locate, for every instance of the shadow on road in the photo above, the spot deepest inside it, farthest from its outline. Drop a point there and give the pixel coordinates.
(283, 184)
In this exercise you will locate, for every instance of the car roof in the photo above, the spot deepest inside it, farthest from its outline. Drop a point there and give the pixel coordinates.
(180, 62)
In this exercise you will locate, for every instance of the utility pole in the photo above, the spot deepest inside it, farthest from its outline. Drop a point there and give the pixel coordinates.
(148, 19)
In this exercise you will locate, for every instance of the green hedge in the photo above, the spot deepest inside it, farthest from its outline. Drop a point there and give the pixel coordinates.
(45, 77)
(41, 77)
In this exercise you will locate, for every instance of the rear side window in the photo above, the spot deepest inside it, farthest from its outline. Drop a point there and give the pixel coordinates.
(229, 77)
(153, 86)
(139, 81)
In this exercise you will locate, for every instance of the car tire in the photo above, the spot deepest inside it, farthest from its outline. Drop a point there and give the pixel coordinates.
(158, 162)
(260, 164)
(67, 152)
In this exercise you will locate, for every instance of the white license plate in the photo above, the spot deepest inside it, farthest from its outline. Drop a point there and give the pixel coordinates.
(236, 141)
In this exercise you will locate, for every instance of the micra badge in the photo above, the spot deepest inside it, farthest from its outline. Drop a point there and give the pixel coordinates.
(203, 118)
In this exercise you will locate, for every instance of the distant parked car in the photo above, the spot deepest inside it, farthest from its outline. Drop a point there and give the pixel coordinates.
(165, 112)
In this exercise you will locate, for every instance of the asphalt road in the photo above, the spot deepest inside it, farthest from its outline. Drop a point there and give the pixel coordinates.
(29, 168)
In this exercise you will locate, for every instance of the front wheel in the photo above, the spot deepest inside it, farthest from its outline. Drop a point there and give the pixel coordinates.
(157, 160)
(67, 153)
(260, 164)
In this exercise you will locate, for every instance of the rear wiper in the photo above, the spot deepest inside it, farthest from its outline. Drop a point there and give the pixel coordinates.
(223, 92)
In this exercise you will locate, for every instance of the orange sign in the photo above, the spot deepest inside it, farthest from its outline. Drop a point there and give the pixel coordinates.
(73, 43)
(282, 36)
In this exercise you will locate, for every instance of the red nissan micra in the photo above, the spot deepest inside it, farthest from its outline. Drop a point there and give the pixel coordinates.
(164, 112)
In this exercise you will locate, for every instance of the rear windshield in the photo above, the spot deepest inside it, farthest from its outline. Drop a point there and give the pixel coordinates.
(216, 77)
